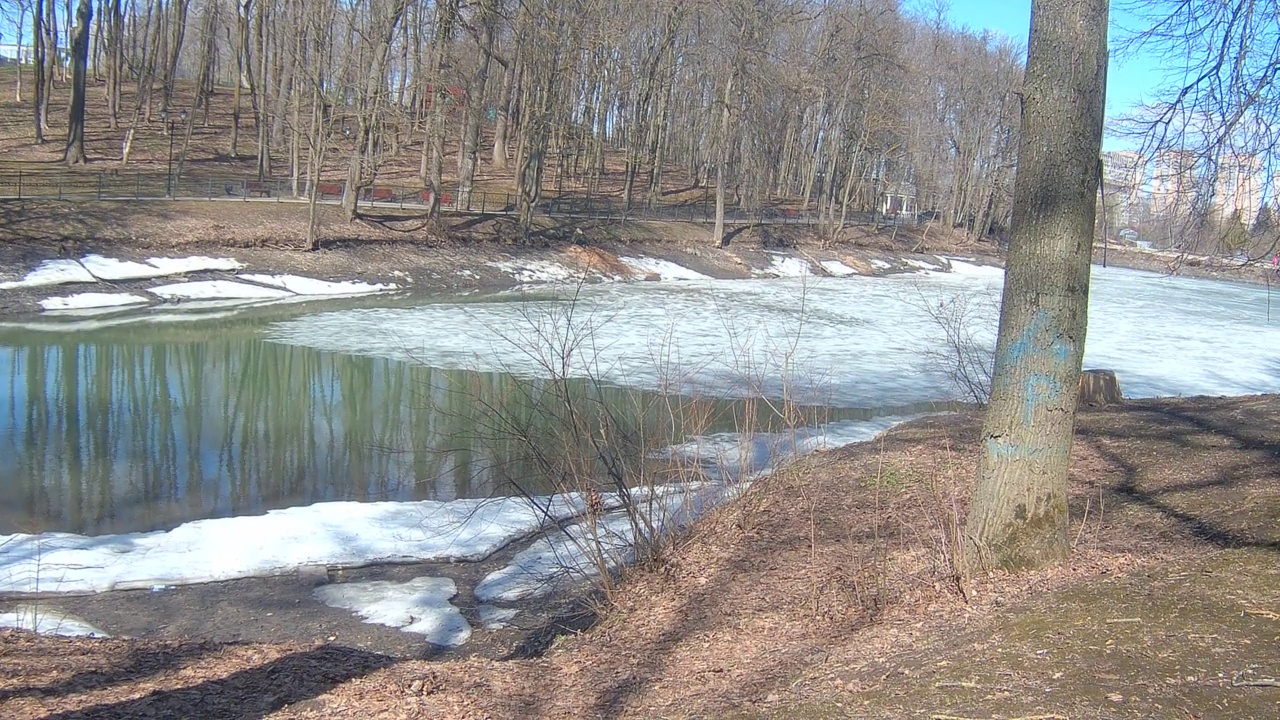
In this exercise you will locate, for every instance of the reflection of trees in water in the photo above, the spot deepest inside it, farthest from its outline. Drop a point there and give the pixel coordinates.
(113, 436)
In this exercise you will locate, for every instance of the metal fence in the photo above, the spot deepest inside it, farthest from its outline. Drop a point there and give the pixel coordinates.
(118, 186)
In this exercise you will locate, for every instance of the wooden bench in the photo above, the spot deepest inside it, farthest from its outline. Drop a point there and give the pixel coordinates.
(326, 190)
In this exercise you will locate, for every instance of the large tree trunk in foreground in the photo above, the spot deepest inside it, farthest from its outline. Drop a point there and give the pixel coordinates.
(1018, 517)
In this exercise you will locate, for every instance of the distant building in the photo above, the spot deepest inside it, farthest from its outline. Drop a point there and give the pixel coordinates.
(1173, 183)
(1238, 186)
(1124, 176)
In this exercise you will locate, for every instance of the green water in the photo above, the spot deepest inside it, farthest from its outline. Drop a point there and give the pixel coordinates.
(148, 425)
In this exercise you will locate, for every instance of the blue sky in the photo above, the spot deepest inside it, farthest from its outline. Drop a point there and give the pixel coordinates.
(1129, 80)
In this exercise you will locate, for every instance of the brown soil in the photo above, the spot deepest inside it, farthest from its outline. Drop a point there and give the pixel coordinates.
(828, 591)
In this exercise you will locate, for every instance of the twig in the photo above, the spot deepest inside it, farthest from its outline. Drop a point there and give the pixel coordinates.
(1124, 620)
(1261, 613)
(1238, 681)
(962, 684)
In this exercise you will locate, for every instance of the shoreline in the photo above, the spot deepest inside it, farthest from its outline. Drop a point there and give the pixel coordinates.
(476, 254)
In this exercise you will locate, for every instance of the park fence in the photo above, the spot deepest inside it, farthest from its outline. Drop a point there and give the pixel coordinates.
(119, 186)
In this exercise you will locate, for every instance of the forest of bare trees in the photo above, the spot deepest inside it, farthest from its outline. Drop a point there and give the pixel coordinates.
(838, 105)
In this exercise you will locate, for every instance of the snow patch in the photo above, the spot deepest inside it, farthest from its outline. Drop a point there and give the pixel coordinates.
(334, 534)
(493, 617)
(105, 268)
(82, 301)
(44, 621)
(536, 271)
(216, 290)
(960, 267)
(880, 264)
(664, 269)
(420, 606)
(837, 268)
(578, 550)
(310, 286)
(921, 264)
(52, 272)
(195, 263)
(786, 266)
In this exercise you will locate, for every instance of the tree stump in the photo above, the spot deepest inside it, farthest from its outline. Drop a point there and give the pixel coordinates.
(1099, 388)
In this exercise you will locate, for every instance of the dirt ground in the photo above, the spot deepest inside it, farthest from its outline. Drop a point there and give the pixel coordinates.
(828, 591)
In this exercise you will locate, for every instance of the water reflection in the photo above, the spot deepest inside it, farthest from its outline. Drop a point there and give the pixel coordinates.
(146, 428)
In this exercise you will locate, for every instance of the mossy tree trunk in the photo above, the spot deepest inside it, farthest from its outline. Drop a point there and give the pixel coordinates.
(1018, 516)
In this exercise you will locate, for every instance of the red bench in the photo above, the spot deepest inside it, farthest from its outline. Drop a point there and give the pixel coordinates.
(381, 194)
(425, 196)
(329, 189)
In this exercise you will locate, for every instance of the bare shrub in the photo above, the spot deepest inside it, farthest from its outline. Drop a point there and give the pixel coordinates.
(965, 355)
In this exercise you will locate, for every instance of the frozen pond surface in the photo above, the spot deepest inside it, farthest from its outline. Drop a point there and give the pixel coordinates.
(150, 427)
(845, 342)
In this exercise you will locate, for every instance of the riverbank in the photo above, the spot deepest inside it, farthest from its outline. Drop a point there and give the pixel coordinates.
(401, 248)
(461, 253)
(829, 591)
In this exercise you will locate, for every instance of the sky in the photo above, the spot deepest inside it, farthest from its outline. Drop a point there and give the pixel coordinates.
(1130, 80)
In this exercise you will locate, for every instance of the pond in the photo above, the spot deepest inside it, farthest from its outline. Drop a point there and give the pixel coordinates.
(113, 428)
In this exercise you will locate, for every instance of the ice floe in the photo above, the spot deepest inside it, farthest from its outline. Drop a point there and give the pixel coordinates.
(216, 290)
(664, 269)
(52, 272)
(309, 286)
(47, 621)
(420, 605)
(837, 268)
(91, 300)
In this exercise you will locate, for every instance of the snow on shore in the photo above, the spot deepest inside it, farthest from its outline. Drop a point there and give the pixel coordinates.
(334, 534)
(45, 621)
(93, 268)
(51, 272)
(216, 290)
(309, 286)
(664, 269)
(420, 605)
(81, 301)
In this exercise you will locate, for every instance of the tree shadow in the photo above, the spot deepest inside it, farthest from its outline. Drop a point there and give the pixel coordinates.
(247, 694)
(1192, 430)
(137, 663)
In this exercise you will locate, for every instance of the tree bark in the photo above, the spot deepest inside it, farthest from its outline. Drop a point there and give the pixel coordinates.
(74, 154)
(1018, 516)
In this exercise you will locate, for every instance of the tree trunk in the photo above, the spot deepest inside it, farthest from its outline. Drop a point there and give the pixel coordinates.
(38, 65)
(1018, 516)
(79, 64)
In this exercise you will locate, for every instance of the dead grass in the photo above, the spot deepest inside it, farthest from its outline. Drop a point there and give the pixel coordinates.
(827, 592)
